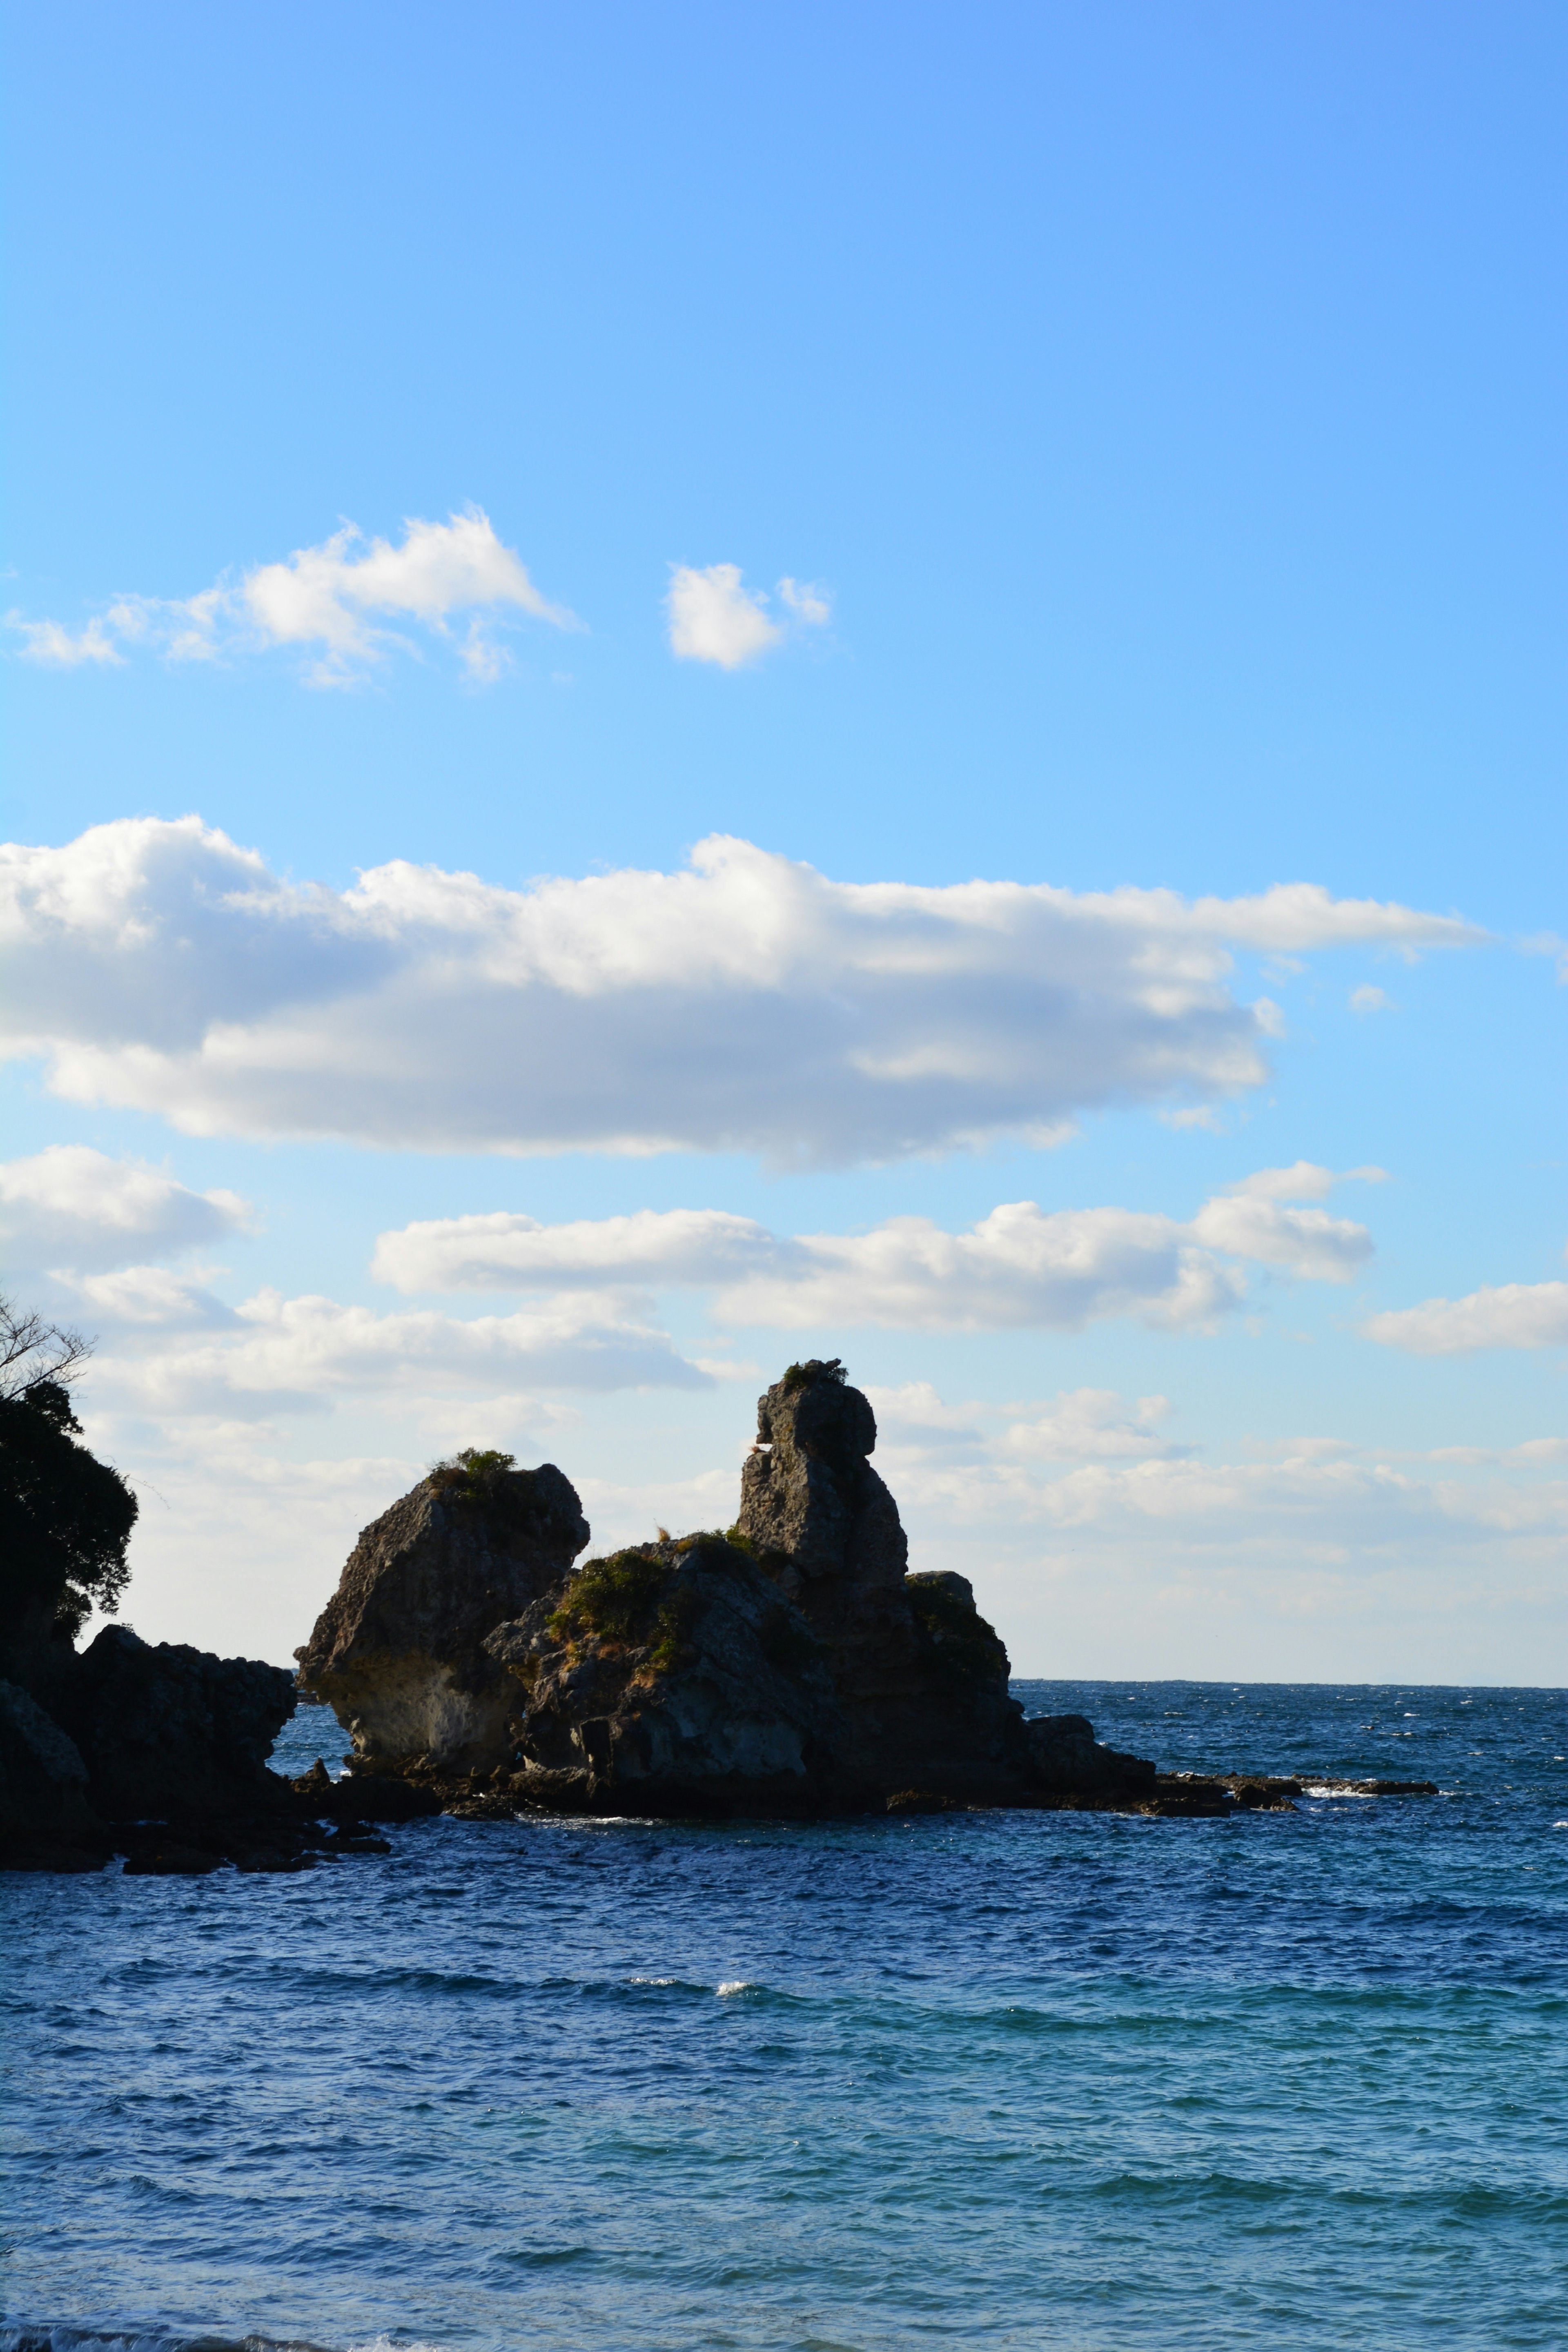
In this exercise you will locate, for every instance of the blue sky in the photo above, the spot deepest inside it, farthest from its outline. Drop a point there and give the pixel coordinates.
(1155, 413)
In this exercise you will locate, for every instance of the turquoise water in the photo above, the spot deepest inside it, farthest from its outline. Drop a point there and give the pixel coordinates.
(1021, 2080)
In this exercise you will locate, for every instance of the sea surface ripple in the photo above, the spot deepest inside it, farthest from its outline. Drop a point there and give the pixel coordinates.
(988, 2079)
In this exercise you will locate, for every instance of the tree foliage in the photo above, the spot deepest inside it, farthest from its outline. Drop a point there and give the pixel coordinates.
(65, 1516)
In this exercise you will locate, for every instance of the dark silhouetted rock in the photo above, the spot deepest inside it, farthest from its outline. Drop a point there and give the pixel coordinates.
(44, 1803)
(169, 1859)
(1069, 1761)
(170, 1732)
(399, 1651)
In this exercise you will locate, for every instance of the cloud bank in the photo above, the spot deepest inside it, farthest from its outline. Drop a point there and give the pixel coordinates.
(345, 603)
(1019, 1268)
(72, 1207)
(745, 1003)
(1513, 1315)
(1093, 1468)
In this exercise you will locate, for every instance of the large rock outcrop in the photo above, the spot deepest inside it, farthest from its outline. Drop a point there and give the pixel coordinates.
(921, 1677)
(674, 1676)
(399, 1651)
(170, 1732)
(791, 1665)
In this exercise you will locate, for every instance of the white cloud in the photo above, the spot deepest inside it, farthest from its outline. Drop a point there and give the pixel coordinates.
(1021, 1267)
(302, 1355)
(138, 1299)
(1194, 1114)
(506, 1251)
(1302, 1181)
(335, 602)
(71, 1206)
(1306, 1243)
(1370, 1000)
(745, 1003)
(48, 643)
(714, 617)
(1514, 1315)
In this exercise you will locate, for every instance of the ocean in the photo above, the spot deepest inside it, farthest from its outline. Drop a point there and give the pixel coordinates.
(1022, 2080)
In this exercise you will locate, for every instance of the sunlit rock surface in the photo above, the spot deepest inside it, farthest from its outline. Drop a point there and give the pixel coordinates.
(398, 1651)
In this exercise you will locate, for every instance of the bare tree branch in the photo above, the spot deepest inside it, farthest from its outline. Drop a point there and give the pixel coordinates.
(32, 1349)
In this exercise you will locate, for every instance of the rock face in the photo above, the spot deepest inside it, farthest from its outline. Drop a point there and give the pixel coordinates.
(921, 1677)
(1069, 1761)
(168, 1731)
(43, 1780)
(790, 1667)
(672, 1677)
(92, 1741)
(399, 1651)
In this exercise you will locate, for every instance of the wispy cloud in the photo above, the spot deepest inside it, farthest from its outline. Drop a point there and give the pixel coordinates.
(714, 617)
(1021, 1267)
(745, 1003)
(54, 646)
(1098, 1468)
(346, 604)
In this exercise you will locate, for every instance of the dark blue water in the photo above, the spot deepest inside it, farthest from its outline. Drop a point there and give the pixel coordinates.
(1022, 2080)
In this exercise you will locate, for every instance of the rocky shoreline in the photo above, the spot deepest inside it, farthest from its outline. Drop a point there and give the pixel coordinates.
(788, 1666)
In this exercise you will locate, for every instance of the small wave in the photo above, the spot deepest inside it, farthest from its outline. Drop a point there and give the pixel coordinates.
(734, 1984)
(46, 2336)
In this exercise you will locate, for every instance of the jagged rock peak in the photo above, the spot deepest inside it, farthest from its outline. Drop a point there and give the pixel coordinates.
(809, 1498)
(398, 1651)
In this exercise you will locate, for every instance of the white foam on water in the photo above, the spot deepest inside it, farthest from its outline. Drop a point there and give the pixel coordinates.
(738, 1984)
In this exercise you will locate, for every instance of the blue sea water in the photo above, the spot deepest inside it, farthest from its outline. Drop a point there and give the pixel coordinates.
(991, 2079)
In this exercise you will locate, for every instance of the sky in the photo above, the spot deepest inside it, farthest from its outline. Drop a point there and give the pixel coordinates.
(692, 686)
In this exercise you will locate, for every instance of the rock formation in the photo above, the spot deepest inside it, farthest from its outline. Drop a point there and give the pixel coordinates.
(44, 1798)
(921, 1677)
(674, 1676)
(789, 1666)
(125, 1731)
(165, 1730)
(399, 1651)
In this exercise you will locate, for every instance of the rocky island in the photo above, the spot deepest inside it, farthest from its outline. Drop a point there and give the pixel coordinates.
(789, 1665)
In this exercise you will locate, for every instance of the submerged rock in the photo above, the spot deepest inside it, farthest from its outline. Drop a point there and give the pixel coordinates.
(399, 1651)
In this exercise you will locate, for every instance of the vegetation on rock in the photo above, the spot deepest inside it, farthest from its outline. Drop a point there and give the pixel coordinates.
(631, 1600)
